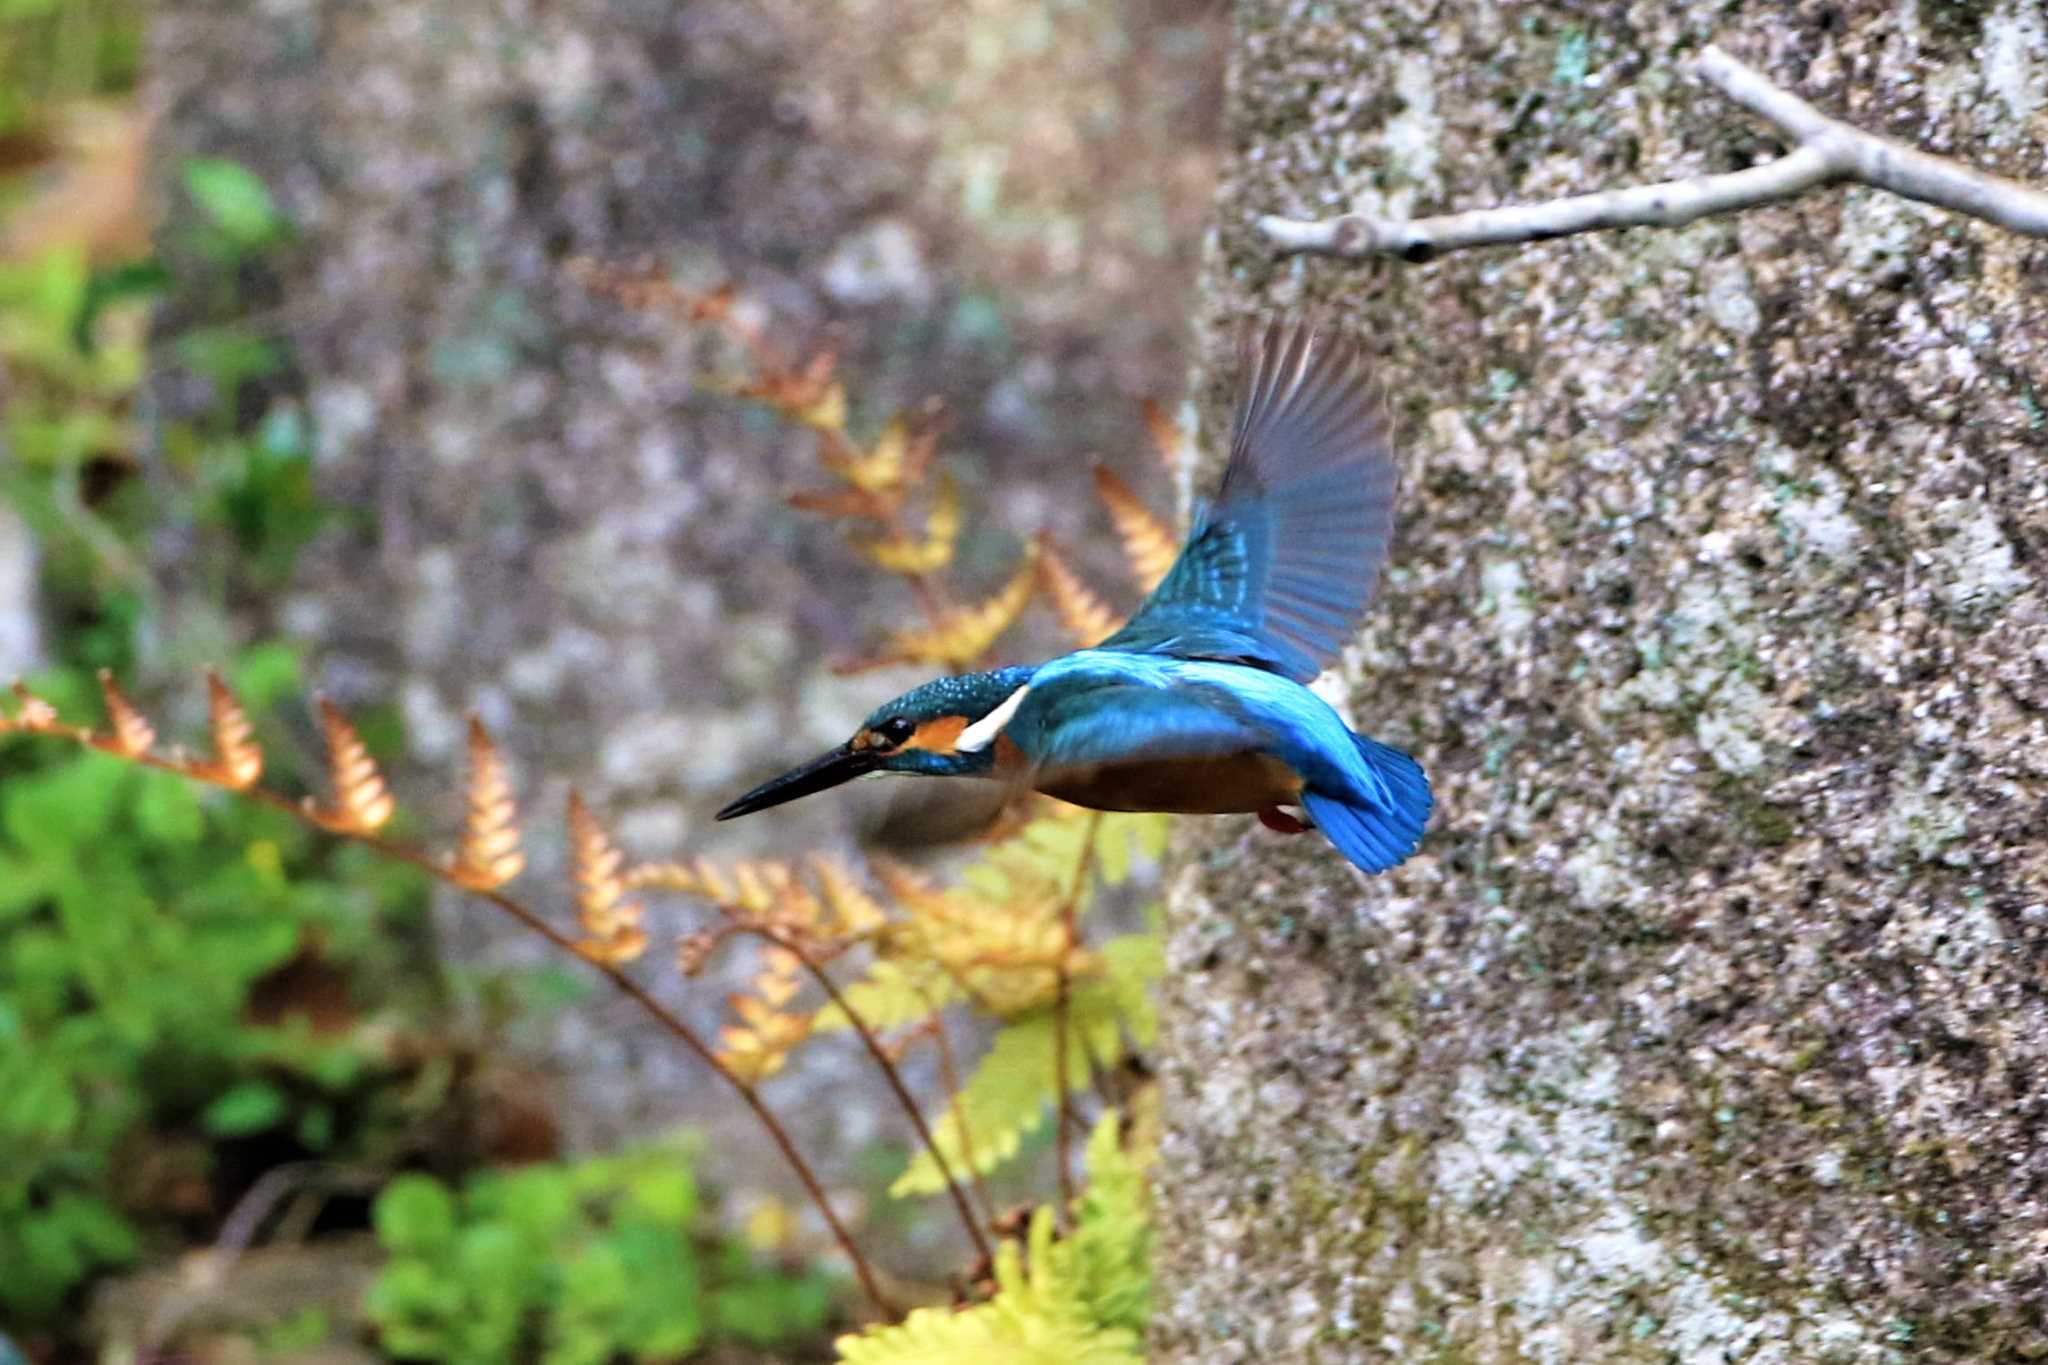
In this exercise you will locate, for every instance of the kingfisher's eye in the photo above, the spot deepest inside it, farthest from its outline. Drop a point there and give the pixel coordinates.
(896, 730)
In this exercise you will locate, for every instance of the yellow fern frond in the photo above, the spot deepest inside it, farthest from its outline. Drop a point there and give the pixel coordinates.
(1148, 544)
(934, 551)
(753, 891)
(237, 762)
(611, 923)
(132, 734)
(1087, 618)
(882, 467)
(855, 913)
(362, 803)
(1121, 834)
(963, 635)
(758, 1046)
(662, 877)
(488, 855)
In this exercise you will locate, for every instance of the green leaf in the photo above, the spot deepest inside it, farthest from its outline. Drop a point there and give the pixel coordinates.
(229, 356)
(1007, 1097)
(892, 994)
(665, 1193)
(266, 675)
(65, 806)
(167, 809)
(249, 1107)
(539, 1200)
(1111, 1245)
(235, 199)
(1135, 962)
(415, 1215)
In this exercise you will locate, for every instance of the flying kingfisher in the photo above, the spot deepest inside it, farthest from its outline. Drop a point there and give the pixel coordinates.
(1199, 704)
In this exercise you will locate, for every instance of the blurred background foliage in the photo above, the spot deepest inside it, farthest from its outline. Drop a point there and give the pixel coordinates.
(194, 990)
(212, 1021)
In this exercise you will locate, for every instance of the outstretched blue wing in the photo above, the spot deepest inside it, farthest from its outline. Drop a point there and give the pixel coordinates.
(1279, 569)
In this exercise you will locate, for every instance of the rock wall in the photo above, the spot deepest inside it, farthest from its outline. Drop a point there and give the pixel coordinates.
(1709, 1023)
(546, 517)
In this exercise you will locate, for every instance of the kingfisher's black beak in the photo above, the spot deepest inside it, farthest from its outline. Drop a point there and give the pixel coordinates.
(842, 764)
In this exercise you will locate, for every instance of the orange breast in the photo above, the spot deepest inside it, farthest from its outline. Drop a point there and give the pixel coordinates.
(1187, 786)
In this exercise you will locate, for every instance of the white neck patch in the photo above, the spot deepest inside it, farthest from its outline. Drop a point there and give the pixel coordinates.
(983, 732)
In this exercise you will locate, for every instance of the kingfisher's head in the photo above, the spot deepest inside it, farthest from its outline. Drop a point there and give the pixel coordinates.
(949, 727)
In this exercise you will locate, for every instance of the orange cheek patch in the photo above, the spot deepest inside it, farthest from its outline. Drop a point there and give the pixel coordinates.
(939, 735)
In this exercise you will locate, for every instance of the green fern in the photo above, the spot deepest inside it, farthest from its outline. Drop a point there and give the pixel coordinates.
(894, 993)
(1117, 836)
(1078, 1301)
(1111, 1247)
(1039, 1316)
(1011, 1092)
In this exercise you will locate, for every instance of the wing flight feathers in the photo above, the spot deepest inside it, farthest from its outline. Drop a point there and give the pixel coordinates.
(1279, 570)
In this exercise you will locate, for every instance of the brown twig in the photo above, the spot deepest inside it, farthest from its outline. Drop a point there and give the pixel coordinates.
(895, 1079)
(949, 1076)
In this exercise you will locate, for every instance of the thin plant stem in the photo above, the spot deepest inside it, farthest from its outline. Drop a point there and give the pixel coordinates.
(949, 1076)
(1069, 912)
(894, 1077)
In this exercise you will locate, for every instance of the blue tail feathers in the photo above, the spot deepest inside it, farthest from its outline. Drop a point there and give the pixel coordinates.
(1373, 838)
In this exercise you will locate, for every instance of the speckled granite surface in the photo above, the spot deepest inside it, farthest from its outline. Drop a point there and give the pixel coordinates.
(1710, 1022)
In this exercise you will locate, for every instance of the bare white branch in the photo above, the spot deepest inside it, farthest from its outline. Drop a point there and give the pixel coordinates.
(1827, 150)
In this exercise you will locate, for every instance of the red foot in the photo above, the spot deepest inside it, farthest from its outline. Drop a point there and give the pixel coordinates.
(1279, 821)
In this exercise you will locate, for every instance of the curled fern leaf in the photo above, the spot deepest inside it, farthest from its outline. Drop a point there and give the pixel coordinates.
(488, 855)
(237, 760)
(362, 803)
(132, 734)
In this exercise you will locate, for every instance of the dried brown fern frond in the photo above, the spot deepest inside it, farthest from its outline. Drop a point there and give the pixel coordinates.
(488, 855)
(362, 803)
(132, 735)
(904, 553)
(1169, 442)
(1086, 617)
(611, 923)
(645, 287)
(34, 716)
(961, 635)
(237, 762)
(811, 395)
(1149, 544)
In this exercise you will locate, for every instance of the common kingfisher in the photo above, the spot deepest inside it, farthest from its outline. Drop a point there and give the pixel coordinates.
(1199, 704)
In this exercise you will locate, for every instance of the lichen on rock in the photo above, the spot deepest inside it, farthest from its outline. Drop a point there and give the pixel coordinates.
(1706, 1023)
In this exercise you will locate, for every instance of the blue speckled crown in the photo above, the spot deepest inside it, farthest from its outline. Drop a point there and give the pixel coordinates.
(972, 695)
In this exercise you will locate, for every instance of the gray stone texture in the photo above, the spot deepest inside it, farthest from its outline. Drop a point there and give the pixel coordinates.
(1709, 1023)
